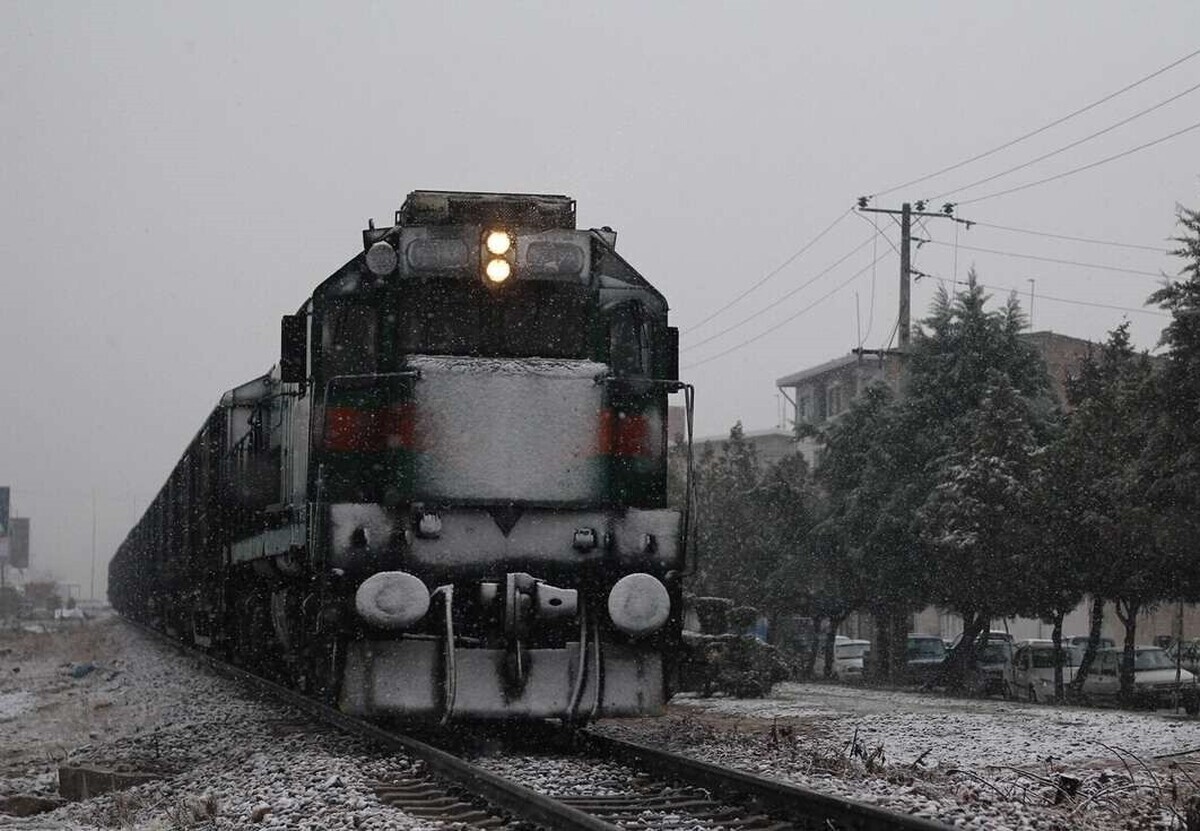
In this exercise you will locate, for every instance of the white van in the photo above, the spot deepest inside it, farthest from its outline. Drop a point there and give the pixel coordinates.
(848, 658)
(1031, 674)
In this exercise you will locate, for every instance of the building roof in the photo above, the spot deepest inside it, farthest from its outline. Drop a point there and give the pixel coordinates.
(819, 369)
(849, 358)
(750, 435)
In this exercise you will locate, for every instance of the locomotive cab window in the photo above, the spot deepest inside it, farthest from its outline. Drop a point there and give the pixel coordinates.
(349, 340)
(629, 341)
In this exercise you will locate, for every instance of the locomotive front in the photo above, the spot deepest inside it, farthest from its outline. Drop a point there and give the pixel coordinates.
(486, 468)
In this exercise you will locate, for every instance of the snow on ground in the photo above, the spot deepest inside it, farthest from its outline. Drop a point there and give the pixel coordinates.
(972, 763)
(969, 732)
(104, 693)
(226, 758)
(13, 704)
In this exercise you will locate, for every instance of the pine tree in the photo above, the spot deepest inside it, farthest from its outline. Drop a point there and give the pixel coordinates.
(735, 542)
(1172, 460)
(981, 412)
(1109, 434)
(976, 520)
(866, 550)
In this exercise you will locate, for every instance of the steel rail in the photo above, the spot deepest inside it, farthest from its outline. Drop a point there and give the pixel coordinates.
(791, 802)
(802, 806)
(518, 800)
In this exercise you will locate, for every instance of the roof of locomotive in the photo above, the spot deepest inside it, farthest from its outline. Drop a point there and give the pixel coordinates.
(614, 277)
(534, 211)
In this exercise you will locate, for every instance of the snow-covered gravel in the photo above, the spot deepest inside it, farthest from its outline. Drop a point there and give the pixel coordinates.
(229, 761)
(967, 762)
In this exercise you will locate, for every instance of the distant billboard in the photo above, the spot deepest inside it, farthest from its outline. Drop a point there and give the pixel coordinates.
(18, 542)
(3, 511)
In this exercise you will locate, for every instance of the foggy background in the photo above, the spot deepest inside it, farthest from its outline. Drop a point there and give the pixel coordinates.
(175, 178)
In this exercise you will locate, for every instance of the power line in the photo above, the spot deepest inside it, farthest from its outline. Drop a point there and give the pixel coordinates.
(1073, 302)
(1042, 129)
(1072, 238)
(1096, 266)
(879, 233)
(874, 257)
(791, 317)
(1066, 147)
(791, 293)
(792, 258)
(1083, 168)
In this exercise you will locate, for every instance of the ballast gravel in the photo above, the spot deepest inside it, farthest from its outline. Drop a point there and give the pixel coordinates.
(227, 760)
(105, 694)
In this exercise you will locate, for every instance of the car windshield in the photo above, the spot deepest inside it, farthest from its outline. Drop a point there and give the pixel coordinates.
(1043, 658)
(926, 648)
(993, 652)
(850, 650)
(1152, 659)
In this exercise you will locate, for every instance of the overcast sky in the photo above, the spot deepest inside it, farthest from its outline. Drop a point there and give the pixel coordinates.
(177, 176)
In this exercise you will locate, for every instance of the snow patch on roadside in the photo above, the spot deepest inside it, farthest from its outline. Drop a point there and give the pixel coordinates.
(971, 763)
(13, 704)
(968, 732)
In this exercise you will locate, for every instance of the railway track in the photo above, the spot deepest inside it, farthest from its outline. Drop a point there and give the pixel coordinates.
(623, 784)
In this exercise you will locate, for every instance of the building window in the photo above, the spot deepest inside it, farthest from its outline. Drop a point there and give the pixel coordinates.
(835, 400)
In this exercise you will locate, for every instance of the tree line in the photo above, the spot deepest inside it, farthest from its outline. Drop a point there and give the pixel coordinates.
(974, 489)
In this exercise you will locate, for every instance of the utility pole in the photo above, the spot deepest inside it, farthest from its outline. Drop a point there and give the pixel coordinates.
(93, 591)
(905, 324)
(895, 629)
(906, 213)
(1032, 282)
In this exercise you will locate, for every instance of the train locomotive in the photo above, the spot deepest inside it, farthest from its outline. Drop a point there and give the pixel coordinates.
(448, 499)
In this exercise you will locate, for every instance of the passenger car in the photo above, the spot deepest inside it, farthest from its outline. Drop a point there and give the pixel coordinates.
(1186, 653)
(925, 656)
(993, 656)
(1031, 673)
(1154, 683)
(848, 656)
(1081, 641)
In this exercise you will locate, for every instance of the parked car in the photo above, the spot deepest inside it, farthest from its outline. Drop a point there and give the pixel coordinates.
(848, 656)
(1154, 679)
(1187, 654)
(993, 659)
(1031, 674)
(924, 656)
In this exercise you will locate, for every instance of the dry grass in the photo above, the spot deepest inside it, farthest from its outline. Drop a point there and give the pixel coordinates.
(188, 811)
(90, 641)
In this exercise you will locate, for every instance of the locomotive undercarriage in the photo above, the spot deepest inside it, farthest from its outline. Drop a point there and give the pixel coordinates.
(541, 606)
(533, 627)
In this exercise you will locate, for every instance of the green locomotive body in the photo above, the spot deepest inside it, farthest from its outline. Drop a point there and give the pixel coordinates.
(448, 498)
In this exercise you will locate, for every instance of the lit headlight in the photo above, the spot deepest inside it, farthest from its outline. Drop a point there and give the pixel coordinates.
(639, 604)
(498, 243)
(498, 270)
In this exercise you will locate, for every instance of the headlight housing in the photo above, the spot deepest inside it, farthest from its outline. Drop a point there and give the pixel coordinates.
(639, 604)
